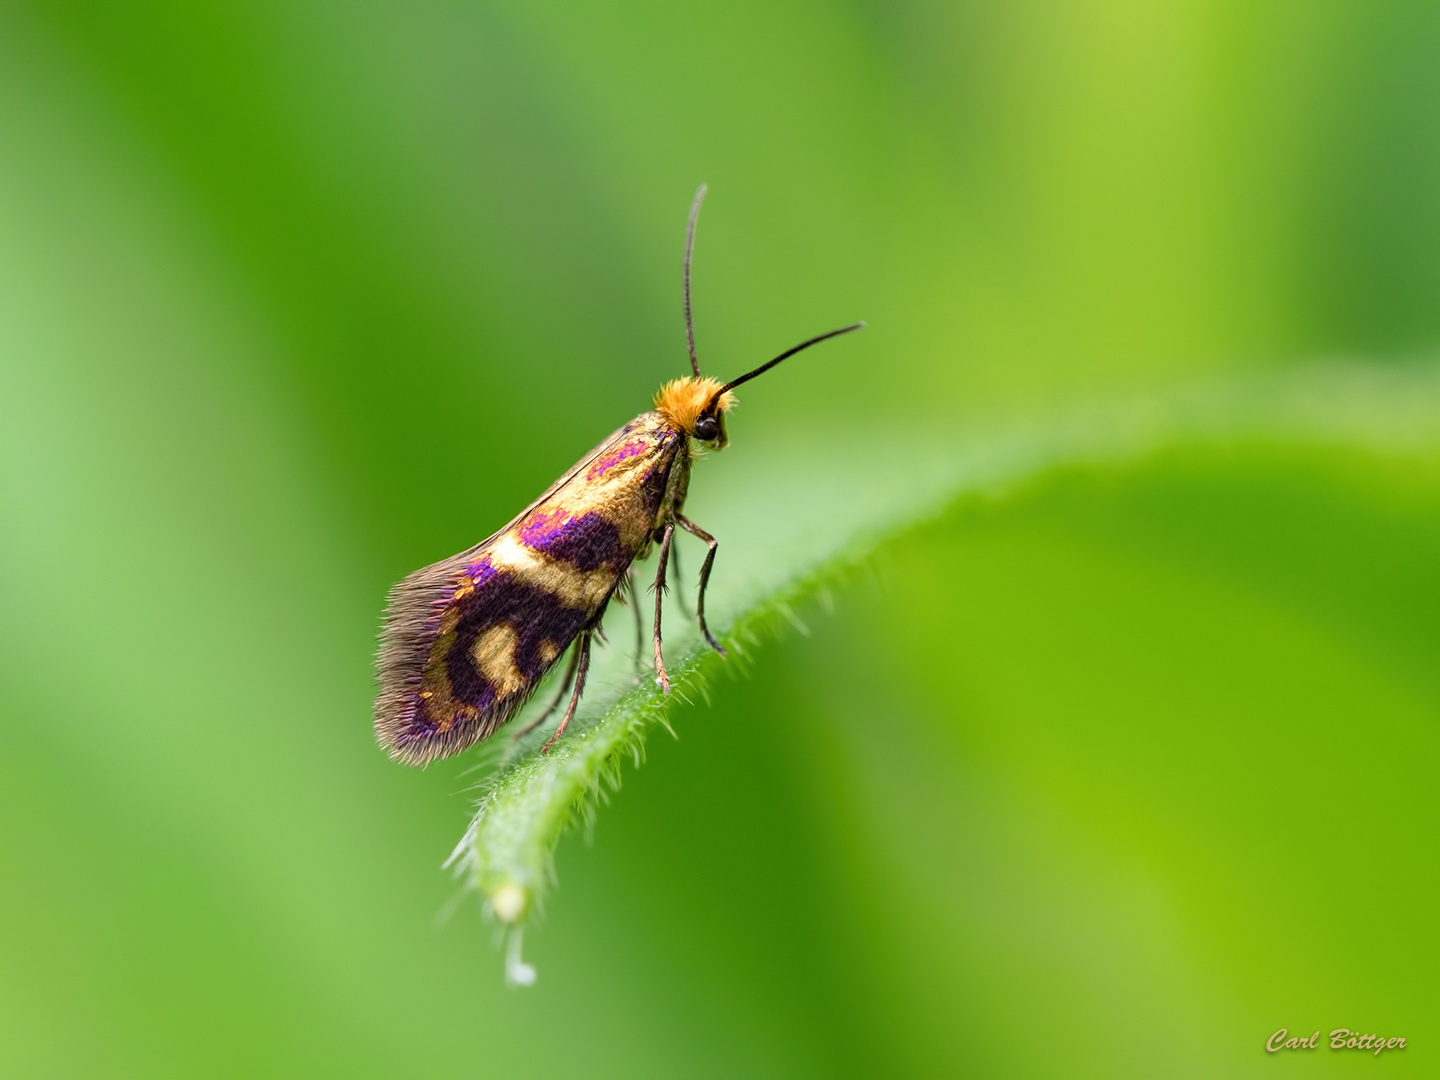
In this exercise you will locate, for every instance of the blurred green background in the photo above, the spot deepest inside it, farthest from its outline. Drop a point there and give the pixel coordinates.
(1111, 778)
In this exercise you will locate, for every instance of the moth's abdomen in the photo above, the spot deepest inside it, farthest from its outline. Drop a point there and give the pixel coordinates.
(466, 641)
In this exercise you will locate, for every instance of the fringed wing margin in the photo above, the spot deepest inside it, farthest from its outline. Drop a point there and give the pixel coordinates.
(408, 633)
(409, 630)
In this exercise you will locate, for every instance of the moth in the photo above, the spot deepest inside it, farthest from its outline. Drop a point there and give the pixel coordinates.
(465, 642)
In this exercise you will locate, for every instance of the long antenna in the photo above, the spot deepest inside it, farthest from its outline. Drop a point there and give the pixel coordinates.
(689, 248)
(787, 354)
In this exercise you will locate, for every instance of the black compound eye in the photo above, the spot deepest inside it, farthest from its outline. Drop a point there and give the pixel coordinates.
(707, 428)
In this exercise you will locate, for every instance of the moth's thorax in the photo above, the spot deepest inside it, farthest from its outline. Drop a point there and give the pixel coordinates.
(683, 401)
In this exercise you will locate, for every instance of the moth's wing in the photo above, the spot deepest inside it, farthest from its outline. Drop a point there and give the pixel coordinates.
(418, 588)
(469, 554)
(415, 618)
(585, 462)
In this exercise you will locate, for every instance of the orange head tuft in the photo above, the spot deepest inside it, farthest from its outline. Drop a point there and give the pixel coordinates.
(682, 402)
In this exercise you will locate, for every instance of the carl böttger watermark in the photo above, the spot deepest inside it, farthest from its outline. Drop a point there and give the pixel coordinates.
(1340, 1039)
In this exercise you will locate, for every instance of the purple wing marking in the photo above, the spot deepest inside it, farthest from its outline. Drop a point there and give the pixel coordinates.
(616, 456)
(481, 571)
(588, 542)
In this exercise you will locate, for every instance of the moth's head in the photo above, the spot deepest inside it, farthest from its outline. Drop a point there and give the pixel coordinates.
(697, 405)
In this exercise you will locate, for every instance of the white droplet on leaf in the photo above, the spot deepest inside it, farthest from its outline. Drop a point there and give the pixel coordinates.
(509, 902)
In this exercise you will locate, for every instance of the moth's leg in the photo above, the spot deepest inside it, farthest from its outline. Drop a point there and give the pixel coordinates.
(564, 689)
(679, 574)
(639, 622)
(695, 530)
(665, 538)
(582, 654)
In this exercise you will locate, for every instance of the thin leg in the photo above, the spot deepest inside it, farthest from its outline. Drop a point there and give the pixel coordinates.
(665, 538)
(679, 585)
(690, 527)
(564, 688)
(583, 652)
(635, 607)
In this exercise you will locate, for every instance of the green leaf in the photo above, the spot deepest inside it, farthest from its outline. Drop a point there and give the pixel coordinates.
(794, 521)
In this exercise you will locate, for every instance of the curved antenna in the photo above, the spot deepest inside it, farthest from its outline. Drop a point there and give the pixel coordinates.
(787, 354)
(689, 248)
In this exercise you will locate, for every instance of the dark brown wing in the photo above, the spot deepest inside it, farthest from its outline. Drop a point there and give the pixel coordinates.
(466, 640)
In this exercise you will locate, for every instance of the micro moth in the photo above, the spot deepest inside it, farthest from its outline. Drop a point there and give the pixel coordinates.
(466, 641)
